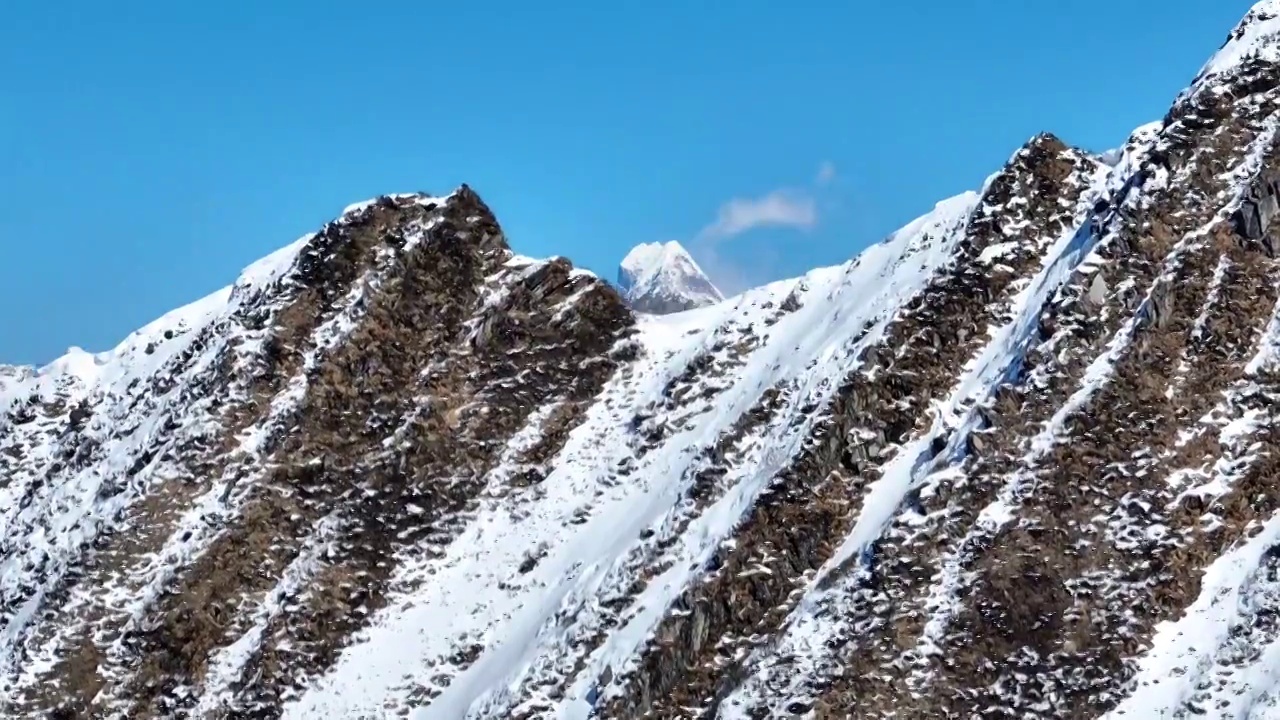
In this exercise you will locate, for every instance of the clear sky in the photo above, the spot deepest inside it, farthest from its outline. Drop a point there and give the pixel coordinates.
(150, 150)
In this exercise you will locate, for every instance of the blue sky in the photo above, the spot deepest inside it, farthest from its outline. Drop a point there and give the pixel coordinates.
(148, 151)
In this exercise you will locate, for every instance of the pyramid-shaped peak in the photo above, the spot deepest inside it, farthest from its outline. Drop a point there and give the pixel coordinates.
(647, 256)
(663, 278)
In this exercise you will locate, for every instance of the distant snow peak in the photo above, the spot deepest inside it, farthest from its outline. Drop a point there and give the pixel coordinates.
(15, 370)
(661, 278)
(13, 374)
(1111, 157)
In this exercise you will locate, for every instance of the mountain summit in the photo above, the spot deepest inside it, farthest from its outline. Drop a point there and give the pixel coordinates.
(661, 278)
(1017, 460)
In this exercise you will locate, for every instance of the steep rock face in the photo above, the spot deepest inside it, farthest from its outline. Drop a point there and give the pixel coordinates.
(1017, 460)
(662, 278)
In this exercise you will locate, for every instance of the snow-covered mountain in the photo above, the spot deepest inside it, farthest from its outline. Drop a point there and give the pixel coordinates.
(1017, 460)
(662, 278)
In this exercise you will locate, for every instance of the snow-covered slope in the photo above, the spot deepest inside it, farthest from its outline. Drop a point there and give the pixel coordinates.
(1016, 460)
(661, 278)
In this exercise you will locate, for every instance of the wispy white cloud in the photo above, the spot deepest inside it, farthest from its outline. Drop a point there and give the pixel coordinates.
(826, 173)
(786, 207)
(780, 208)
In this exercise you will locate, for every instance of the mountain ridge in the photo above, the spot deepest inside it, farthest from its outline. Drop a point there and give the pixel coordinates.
(1016, 459)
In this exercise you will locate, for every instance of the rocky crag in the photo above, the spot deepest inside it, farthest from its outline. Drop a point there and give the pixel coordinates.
(1017, 460)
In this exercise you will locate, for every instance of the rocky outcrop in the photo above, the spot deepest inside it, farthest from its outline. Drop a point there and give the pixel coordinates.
(1017, 460)
(1258, 209)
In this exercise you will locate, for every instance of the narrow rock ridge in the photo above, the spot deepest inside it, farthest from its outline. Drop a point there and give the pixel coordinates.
(1016, 460)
